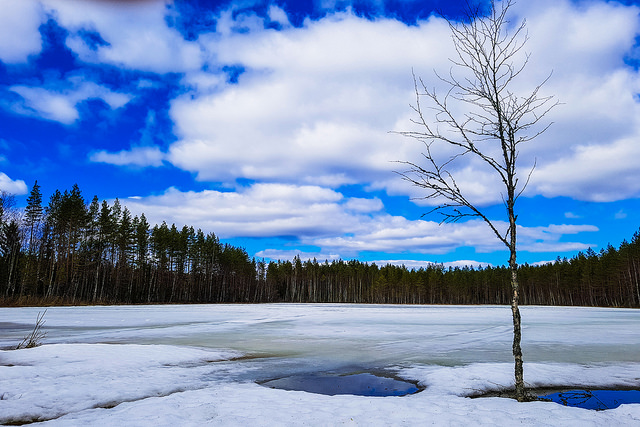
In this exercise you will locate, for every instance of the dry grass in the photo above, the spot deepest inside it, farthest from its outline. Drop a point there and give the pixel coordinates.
(34, 339)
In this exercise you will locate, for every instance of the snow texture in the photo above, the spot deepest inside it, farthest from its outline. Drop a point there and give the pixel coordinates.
(198, 365)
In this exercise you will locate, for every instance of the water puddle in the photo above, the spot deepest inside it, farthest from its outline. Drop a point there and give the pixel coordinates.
(359, 384)
(598, 400)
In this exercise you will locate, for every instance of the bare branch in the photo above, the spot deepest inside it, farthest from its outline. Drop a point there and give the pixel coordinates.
(497, 120)
(489, 60)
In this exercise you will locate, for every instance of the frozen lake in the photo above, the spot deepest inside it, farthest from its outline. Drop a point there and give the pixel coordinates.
(451, 350)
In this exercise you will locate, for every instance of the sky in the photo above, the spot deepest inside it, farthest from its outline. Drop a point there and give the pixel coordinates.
(272, 124)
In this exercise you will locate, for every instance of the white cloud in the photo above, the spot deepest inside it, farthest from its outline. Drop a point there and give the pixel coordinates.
(305, 110)
(394, 234)
(313, 109)
(621, 214)
(555, 247)
(143, 152)
(341, 226)
(203, 82)
(602, 172)
(290, 254)
(9, 185)
(588, 152)
(136, 35)
(137, 156)
(417, 264)
(49, 105)
(277, 15)
(547, 238)
(355, 204)
(260, 210)
(466, 263)
(539, 263)
(316, 103)
(321, 257)
(19, 35)
(60, 103)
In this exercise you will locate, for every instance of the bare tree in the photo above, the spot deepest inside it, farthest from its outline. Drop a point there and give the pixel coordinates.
(480, 118)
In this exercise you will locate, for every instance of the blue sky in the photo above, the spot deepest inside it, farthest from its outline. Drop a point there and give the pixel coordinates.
(268, 122)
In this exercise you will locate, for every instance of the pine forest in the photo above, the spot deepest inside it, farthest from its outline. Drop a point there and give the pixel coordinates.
(74, 252)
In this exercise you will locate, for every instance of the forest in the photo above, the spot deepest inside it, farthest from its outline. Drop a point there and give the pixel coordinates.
(76, 252)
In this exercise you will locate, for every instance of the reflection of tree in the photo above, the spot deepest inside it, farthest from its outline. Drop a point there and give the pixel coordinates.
(582, 399)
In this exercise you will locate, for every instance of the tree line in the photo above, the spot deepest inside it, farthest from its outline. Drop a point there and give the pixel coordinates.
(72, 251)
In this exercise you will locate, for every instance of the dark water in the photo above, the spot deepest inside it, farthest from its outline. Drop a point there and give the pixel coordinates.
(595, 399)
(360, 384)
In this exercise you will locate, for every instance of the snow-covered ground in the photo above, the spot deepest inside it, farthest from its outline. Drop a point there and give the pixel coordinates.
(198, 364)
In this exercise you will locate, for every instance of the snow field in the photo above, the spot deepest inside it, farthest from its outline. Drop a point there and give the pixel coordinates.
(93, 373)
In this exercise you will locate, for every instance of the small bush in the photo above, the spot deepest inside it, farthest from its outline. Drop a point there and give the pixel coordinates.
(34, 339)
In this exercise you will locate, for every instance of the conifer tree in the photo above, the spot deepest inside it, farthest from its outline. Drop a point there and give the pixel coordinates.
(33, 215)
(10, 246)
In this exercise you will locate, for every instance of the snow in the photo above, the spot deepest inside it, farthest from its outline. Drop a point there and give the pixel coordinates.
(198, 364)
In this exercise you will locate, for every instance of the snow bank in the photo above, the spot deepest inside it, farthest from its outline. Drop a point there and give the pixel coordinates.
(52, 380)
(157, 385)
(191, 370)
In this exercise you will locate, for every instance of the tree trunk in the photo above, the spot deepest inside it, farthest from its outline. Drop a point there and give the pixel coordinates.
(521, 393)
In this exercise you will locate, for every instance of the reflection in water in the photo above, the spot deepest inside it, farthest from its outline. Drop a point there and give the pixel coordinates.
(362, 384)
(595, 399)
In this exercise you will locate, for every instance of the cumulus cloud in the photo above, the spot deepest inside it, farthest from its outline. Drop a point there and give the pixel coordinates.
(601, 172)
(137, 156)
(466, 263)
(132, 35)
(587, 153)
(279, 16)
(315, 103)
(307, 110)
(60, 103)
(417, 264)
(9, 185)
(19, 35)
(289, 255)
(386, 233)
(260, 210)
(324, 218)
(548, 238)
(143, 153)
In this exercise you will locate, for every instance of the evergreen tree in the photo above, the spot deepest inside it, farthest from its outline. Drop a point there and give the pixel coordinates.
(125, 236)
(99, 253)
(10, 247)
(142, 240)
(33, 215)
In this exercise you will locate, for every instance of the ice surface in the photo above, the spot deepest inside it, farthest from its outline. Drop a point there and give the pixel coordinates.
(199, 364)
